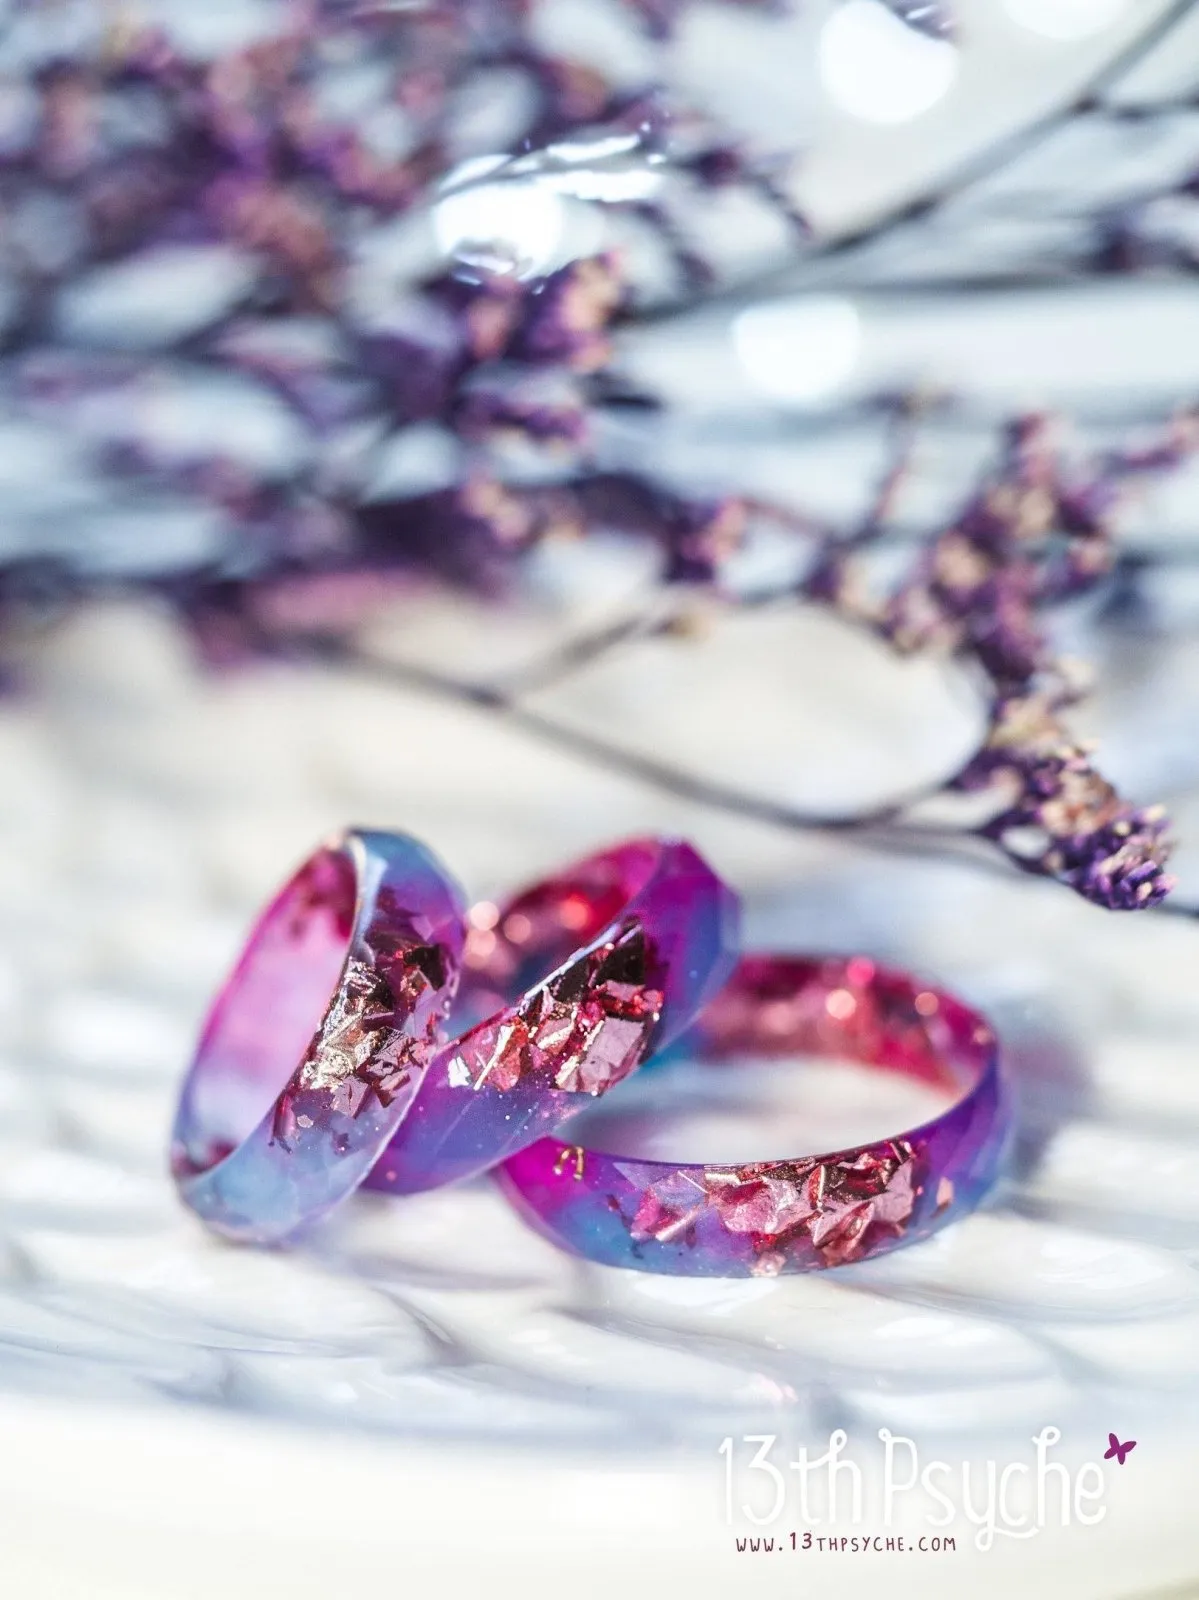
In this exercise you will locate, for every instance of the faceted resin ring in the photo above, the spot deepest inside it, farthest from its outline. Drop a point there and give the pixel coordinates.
(312, 1051)
(813, 1211)
(567, 989)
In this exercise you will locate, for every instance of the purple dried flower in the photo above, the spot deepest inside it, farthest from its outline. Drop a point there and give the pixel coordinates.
(565, 317)
(416, 353)
(140, 149)
(283, 225)
(1033, 533)
(696, 535)
(542, 406)
(1059, 816)
(1121, 867)
(472, 534)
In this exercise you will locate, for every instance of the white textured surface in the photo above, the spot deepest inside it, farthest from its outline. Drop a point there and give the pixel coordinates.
(431, 1397)
(147, 811)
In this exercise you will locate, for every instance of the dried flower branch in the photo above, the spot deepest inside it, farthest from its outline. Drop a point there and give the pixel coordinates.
(131, 157)
(1059, 817)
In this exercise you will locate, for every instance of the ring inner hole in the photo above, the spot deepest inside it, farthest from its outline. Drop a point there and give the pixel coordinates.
(788, 1069)
(757, 1109)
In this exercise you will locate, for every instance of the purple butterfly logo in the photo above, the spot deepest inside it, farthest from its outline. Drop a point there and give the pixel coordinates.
(1115, 1448)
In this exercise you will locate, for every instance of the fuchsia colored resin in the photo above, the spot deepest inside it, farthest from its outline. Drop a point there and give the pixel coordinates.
(328, 1061)
(815, 1211)
(601, 965)
(315, 1046)
(327, 1049)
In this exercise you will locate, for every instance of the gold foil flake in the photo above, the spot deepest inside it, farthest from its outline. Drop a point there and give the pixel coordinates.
(568, 1155)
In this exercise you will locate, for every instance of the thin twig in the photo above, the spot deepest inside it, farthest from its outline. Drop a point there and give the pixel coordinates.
(629, 763)
(905, 421)
(584, 648)
(973, 169)
(888, 827)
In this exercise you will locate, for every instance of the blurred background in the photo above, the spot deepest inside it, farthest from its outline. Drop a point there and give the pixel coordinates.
(528, 424)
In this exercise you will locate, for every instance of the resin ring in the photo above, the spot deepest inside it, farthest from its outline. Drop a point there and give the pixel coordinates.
(815, 1211)
(310, 1055)
(576, 982)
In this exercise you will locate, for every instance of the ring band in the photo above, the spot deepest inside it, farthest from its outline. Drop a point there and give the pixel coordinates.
(638, 938)
(374, 921)
(764, 1218)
